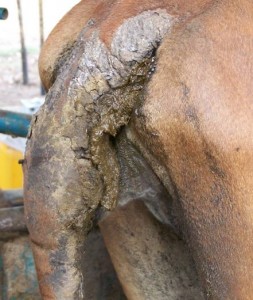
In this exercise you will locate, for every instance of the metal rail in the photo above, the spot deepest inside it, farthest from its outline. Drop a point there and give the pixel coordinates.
(15, 124)
(3, 13)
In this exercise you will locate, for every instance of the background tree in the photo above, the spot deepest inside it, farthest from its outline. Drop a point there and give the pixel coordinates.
(42, 90)
(23, 47)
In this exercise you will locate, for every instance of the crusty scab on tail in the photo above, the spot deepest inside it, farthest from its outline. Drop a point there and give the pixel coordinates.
(111, 83)
(70, 159)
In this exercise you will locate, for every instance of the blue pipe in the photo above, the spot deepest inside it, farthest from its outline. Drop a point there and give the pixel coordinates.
(3, 13)
(15, 124)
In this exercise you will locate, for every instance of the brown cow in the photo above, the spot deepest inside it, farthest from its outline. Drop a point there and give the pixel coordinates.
(147, 133)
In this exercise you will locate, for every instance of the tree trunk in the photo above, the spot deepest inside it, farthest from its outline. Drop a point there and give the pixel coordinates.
(42, 90)
(23, 47)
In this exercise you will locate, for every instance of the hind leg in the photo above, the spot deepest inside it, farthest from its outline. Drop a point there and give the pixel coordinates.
(150, 260)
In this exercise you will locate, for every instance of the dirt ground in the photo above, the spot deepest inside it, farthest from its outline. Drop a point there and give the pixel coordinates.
(11, 88)
(12, 91)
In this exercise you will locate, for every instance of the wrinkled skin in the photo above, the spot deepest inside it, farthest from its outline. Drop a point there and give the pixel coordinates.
(145, 140)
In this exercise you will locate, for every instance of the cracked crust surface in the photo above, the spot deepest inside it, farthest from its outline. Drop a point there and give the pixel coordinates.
(179, 128)
(71, 158)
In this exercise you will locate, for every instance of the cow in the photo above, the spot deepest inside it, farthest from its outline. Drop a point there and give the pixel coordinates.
(138, 171)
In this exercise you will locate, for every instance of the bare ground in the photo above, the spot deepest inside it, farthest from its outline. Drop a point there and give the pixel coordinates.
(11, 88)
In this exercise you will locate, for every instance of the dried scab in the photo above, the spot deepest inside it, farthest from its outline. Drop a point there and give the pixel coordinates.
(113, 82)
(82, 153)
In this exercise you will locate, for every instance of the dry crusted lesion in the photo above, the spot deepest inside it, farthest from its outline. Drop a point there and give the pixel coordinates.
(70, 158)
(110, 114)
(107, 86)
(100, 119)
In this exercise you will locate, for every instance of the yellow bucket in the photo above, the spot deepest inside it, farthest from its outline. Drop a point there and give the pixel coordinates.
(11, 176)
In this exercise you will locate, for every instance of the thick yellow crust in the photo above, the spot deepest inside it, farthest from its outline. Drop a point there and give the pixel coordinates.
(64, 36)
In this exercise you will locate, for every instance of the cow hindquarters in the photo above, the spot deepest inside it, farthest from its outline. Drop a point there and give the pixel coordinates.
(198, 110)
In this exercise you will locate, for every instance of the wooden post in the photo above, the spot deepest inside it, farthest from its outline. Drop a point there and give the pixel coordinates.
(23, 48)
(42, 90)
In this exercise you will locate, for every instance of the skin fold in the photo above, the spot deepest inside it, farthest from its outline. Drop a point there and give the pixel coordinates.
(178, 161)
